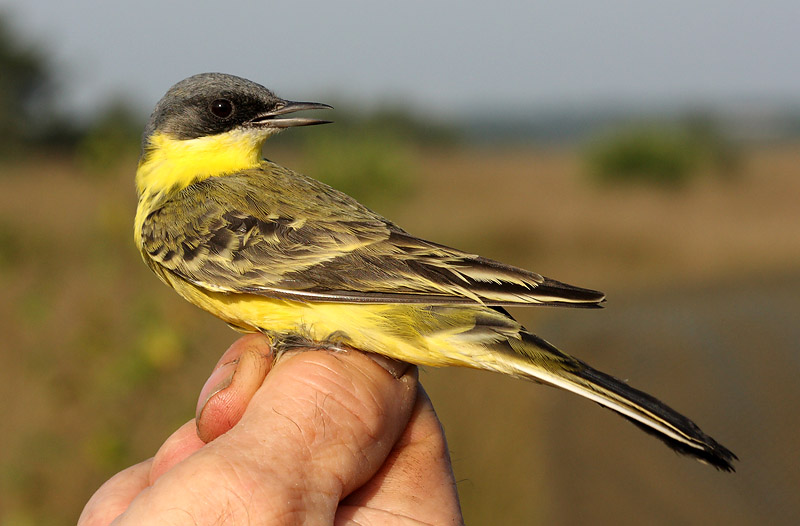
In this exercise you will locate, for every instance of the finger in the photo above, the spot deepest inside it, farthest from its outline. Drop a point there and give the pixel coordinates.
(346, 406)
(115, 495)
(319, 427)
(416, 482)
(234, 381)
(176, 448)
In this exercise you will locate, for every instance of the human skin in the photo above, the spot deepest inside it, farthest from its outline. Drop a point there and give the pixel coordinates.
(317, 437)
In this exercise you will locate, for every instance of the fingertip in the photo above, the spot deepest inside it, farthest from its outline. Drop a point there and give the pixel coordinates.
(229, 389)
(220, 379)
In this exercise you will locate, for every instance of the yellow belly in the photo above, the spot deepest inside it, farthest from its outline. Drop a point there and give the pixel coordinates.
(410, 333)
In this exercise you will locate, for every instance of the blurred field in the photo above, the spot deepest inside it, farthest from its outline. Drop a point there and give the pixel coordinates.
(102, 362)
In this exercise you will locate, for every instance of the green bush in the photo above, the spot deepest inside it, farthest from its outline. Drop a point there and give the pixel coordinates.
(376, 167)
(666, 154)
(115, 133)
(662, 156)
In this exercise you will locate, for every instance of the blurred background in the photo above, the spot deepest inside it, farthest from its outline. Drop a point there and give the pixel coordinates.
(649, 151)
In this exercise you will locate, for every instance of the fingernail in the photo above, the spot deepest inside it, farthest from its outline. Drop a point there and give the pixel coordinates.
(220, 379)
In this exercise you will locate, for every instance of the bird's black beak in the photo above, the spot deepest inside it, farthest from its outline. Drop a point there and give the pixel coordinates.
(268, 119)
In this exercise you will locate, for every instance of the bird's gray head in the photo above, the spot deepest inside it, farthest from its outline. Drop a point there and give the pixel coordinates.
(214, 103)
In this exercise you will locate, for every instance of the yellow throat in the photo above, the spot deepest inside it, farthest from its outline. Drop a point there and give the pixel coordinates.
(170, 164)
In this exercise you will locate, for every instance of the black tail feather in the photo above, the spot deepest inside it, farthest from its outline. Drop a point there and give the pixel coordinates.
(549, 365)
(708, 450)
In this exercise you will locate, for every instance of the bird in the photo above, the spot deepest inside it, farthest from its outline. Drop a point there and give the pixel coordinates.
(272, 251)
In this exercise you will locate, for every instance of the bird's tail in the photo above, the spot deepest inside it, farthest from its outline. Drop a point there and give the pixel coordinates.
(535, 359)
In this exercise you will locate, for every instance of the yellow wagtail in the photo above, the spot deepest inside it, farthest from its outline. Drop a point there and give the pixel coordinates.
(269, 250)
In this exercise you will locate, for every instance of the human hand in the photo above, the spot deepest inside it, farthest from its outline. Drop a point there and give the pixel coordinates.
(324, 438)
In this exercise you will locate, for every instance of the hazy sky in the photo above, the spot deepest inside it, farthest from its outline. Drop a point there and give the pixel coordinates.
(443, 56)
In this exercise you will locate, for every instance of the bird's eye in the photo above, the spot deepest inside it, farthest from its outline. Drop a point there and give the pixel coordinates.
(222, 108)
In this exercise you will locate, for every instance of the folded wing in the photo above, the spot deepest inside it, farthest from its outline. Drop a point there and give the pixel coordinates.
(265, 242)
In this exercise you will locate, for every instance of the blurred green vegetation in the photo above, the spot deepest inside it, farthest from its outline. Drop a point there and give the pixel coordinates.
(373, 166)
(114, 132)
(25, 87)
(661, 153)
